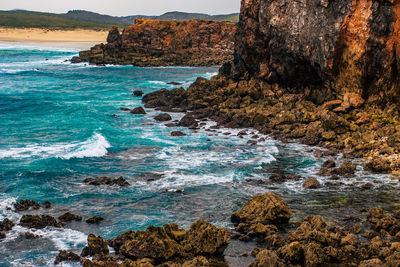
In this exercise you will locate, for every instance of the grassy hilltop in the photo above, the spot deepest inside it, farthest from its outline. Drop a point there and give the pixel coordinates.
(90, 20)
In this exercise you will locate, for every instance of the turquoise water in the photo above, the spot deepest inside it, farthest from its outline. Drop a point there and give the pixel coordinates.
(57, 127)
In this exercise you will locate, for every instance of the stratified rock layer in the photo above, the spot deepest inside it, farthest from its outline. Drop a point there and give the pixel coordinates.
(166, 43)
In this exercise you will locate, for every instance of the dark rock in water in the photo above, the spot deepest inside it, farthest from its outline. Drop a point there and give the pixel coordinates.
(138, 93)
(2, 235)
(30, 235)
(150, 176)
(252, 142)
(96, 248)
(125, 109)
(311, 183)
(166, 43)
(64, 255)
(67, 217)
(6, 225)
(167, 100)
(188, 121)
(177, 133)
(76, 60)
(378, 165)
(138, 110)
(329, 164)
(94, 220)
(346, 169)
(39, 222)
(47, 204)
(26, 204)
(277, 178)
(103, 180)
(163, 117)
(265, 209)
(174, 83)
(171, 124)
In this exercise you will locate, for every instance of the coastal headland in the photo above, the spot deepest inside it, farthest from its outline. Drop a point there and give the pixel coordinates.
(323, 73)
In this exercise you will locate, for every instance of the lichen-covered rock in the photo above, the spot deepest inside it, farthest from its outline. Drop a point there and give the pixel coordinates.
(265, 209)
(96, 248)
(267, 258)
(203, 238)
(64, 255)
(166, 43)
(152, 243)
(378, 165)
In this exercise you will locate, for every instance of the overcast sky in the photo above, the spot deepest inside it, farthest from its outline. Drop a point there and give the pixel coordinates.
(125, 7)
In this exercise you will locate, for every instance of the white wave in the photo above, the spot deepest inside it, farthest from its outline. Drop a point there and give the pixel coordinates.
(95, 146)
(158, 82)
(36, 46)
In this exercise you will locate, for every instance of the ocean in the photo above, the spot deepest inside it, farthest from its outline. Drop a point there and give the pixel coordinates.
(61, 123)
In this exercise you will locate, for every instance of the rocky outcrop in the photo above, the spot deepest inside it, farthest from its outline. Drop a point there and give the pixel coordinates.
(162, 246)
(104, 180)
(325, 49)
(39, 222)
(166, 43)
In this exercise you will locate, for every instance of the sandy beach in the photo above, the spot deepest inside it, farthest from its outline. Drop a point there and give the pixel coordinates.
(78, 37)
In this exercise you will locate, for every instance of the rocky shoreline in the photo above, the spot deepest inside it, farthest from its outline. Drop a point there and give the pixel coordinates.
(165, 43)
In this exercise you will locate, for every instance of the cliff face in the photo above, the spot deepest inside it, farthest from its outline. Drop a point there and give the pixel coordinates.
(166, 43)
(330, 47)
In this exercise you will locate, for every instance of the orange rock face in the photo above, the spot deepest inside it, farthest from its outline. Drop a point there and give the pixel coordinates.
(328, 47)
(166, 43)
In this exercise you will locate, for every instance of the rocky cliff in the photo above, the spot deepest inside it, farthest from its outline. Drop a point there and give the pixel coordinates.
(322, 72)
(325, 46)
(166, 43)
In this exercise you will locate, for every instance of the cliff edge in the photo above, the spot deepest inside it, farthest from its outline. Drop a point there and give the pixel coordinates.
(166, 43)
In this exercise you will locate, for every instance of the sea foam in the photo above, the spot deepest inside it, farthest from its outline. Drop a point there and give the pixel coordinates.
(95, 146)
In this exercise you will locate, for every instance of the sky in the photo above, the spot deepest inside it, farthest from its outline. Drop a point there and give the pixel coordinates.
(125, 7)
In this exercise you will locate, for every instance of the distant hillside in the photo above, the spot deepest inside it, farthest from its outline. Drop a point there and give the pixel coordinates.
(30, 19)
(91, 20)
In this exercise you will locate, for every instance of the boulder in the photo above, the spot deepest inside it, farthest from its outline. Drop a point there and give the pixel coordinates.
(188, 121)
(311, 183)
(138, 93)
(378, 165)
(265, 209)
(163, 117)
(64, 255)
(6, 225)
(26, 204)
(138, 110)
(96, 248)
(267, 258)
(203, 238)
(177, 133)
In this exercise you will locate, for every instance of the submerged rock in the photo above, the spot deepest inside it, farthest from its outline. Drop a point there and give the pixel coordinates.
(138, 93)
(177, 133)
(94, 220)
(67, 217)
(103, 180)
(26, 204)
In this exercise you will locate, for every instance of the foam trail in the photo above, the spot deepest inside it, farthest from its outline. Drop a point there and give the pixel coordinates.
(95, 146)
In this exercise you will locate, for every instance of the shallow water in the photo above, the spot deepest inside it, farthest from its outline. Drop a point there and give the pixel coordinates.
(57, 128)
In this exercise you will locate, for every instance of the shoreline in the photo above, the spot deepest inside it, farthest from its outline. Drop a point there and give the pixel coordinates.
(37, 35)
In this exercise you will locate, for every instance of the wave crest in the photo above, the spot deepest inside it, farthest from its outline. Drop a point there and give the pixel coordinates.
(95, 146)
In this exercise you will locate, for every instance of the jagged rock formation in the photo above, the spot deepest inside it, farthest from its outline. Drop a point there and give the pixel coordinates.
(166, 43)
(321, 48)
(322, 72)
